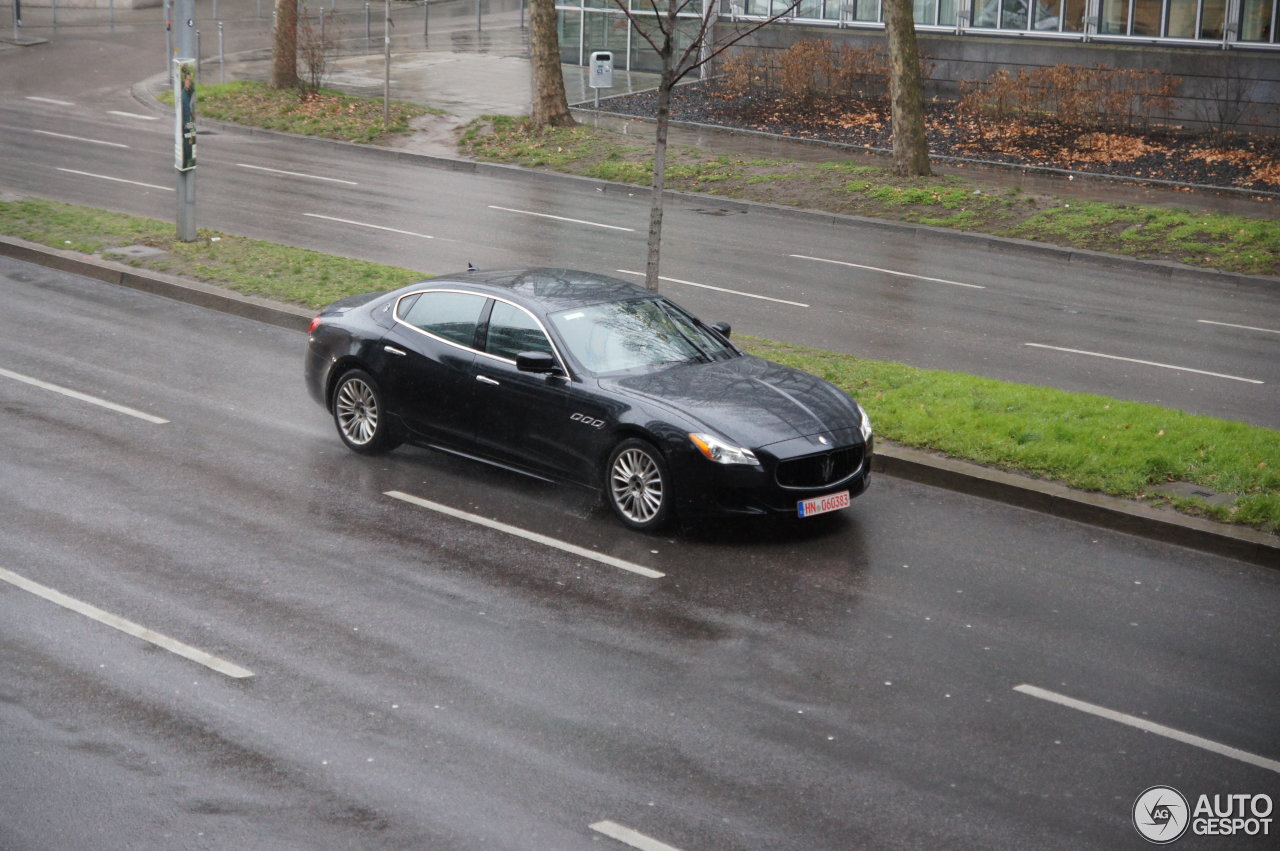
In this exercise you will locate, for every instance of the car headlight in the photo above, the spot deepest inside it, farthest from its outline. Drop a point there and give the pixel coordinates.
(865, 425)
(717, 450)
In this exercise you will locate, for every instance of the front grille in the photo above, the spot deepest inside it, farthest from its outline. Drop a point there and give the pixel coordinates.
(825, 468)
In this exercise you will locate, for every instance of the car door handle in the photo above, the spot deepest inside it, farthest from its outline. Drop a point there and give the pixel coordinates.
(484, 379)
(392, 350)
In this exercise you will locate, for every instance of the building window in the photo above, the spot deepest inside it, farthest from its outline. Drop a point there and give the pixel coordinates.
(1258, 20)
(1213, 19)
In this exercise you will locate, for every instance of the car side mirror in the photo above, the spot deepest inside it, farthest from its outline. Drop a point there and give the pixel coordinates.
(537, 362)
(723, 328)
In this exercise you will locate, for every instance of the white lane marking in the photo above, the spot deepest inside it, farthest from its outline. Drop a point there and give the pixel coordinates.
(1241, 327)
(1149, 727)
(527, 535)
(888, 271)
(631, 837)
(50, 100)
(1145, 363)
(367, 225)
(560, 218)
(116, 179)
(80, 139)
(717, 289)
(83, 397)
(133, 115)
(222, 666)
(298, 174)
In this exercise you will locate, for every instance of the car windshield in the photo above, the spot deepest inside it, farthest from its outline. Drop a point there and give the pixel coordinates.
(634, 334)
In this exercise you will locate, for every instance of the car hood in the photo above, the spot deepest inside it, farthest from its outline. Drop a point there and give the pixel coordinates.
(748, 400)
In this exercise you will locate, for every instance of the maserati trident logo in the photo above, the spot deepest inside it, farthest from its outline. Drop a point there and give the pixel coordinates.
(828, 468)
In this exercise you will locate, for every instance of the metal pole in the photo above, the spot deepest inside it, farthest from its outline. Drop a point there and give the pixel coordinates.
(368, 36)
(477, 15)
(386, 84)
(113, 15)
(222, 59)
(188, 48)
(426, 17)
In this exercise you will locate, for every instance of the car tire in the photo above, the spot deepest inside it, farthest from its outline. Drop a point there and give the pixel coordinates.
(638, 485)
(360, 416)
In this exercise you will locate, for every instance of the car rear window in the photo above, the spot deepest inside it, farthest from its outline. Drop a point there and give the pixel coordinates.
(449, 315)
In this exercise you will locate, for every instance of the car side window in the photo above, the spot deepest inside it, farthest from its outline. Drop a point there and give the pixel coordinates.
(452, 316)
(512, 331)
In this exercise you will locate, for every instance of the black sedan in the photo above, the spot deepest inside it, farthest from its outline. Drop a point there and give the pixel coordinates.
(582, 378)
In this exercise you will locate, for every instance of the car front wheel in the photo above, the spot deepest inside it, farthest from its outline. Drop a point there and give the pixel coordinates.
(638, 485)
(360, 415)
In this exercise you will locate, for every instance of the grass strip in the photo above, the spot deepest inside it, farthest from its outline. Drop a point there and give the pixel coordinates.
(1206, 239)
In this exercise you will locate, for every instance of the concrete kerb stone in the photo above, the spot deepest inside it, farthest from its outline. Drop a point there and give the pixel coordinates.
(1241, 544)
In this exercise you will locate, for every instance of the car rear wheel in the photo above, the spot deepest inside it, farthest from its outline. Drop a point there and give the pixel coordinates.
(638, 485)
(360, 416)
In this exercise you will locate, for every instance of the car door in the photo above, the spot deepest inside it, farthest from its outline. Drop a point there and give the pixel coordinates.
(430, 357)
(531, 420)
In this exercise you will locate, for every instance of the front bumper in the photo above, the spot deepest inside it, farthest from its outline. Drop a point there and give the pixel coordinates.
(709, 489)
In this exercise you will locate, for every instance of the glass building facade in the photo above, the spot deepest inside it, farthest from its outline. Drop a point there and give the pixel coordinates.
(587, 25)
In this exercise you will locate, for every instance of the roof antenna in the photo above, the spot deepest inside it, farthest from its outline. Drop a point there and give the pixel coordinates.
(471, 268)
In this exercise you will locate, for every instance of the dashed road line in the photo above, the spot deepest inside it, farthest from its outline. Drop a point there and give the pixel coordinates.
(888, 271)
(116, 179)
(1145, 363)
(81, 139)
(298, 174)
(560, 218)
(1149, 727)
(537, 538)
(83, 397)
(717, 289)
(367, 225)
(631, 837)
(1240, 327)
(222, 666)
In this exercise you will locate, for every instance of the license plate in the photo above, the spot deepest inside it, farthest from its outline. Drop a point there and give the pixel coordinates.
(823, 504)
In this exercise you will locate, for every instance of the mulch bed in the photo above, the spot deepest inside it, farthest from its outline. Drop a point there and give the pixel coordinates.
(1249, 162)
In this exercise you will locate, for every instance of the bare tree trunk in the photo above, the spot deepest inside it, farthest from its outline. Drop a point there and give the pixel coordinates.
(284, 51)
(549, 107)
(665, 86)
(906, 91)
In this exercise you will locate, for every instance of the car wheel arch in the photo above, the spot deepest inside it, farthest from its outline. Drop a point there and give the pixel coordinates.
(340, 368)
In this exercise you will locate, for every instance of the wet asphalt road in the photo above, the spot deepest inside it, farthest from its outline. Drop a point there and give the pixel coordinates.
(420, 681)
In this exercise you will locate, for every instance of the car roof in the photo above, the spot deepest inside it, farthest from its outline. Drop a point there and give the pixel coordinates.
(549, 288)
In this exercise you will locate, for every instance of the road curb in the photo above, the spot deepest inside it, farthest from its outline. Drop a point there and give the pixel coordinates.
(1241, 544)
